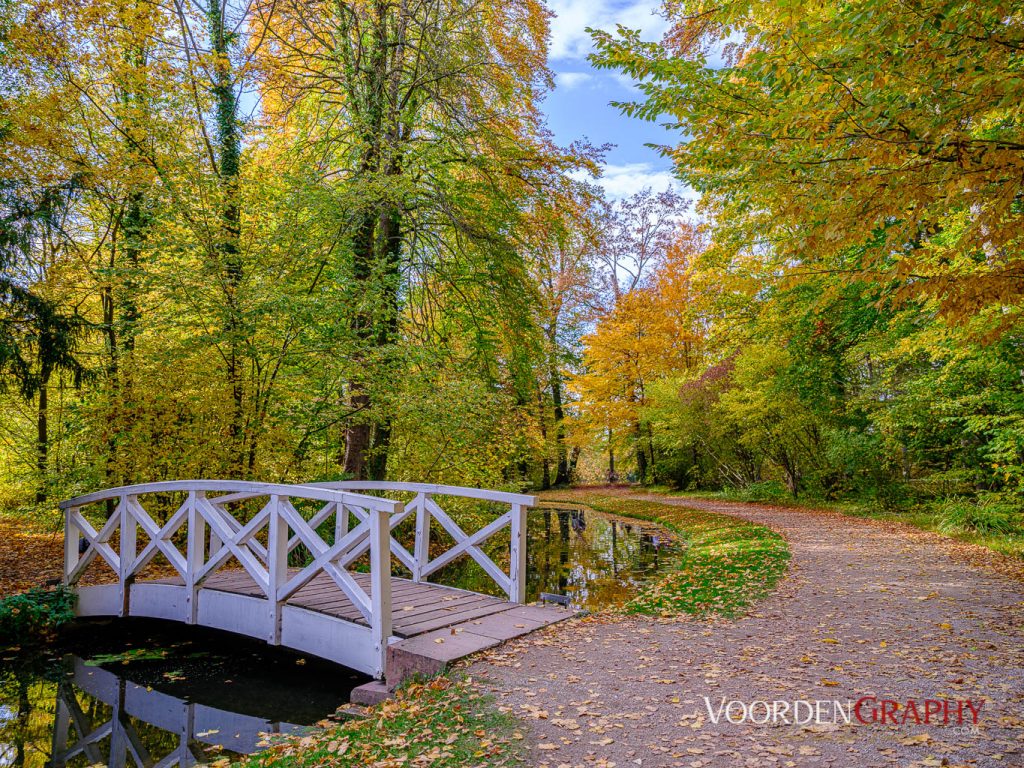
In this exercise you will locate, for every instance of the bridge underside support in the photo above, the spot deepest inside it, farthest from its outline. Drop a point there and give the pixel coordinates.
(318, 634)
(433, 625)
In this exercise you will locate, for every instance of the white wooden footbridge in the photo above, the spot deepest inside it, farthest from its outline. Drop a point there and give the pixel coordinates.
(227, 546)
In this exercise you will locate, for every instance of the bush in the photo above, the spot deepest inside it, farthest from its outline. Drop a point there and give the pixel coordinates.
(989, 514)
(768, 492)
(896, 497)
(36, 614)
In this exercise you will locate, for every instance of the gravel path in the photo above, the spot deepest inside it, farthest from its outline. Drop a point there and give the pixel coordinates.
(867, 609)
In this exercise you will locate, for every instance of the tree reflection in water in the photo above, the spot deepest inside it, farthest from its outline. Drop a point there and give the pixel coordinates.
(597, 560)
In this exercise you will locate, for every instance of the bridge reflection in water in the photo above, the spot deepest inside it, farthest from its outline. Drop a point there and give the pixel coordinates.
(101, 718)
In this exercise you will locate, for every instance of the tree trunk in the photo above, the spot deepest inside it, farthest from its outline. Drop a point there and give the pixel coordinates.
(357, 436)
(641, 456)
(42, 441)
(227, 247)
(562, 475)
(612, 477)
(387, 331)
(113, 415)
(376, 268)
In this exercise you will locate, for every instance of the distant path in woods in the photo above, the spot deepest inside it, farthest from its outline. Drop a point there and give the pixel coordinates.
(867, 608)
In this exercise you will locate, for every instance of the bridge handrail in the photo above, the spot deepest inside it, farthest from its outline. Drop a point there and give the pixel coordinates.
(426, 508)
(482, 494)
(244, 488)
(512, 583)
(214, 536)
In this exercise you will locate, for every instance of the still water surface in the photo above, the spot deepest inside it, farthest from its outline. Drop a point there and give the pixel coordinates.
(141, 693)
(594, 559)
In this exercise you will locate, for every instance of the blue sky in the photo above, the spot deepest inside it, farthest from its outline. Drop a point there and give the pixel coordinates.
(579, 105)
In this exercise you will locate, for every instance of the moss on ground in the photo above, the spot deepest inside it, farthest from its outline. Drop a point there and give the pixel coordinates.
(727, 565)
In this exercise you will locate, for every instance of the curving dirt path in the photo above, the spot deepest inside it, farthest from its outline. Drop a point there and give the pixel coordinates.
(867, 609)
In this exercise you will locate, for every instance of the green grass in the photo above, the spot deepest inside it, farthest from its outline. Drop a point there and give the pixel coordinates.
(441, 722)
(727, 564)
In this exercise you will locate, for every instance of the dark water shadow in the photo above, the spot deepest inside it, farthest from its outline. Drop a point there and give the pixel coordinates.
(153, 694)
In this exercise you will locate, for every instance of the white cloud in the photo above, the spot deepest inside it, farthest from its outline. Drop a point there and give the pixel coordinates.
(619, 181)
(625, 180)
(570, 80)
(569, 39)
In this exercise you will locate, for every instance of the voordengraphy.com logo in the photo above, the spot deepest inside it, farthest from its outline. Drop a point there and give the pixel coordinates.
(865, 710)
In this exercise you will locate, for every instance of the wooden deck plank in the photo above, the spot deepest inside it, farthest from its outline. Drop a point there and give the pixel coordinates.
(427, 610)
(416, 608)
(455, 617)
(424, 611)
(403, 620)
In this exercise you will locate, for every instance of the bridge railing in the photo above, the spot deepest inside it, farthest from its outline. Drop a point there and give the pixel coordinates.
(425, 506)
(214, 535)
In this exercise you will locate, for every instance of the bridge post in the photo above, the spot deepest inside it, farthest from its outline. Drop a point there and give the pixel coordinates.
(380, 579)
(277, 566)
(517, 562)
(129, 551)
(421, 555)
(72, 541)
(194, 555)
(340, 521)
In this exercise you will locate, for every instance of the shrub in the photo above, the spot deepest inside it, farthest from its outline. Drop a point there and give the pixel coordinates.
(989, 514)
(766, 492)
(895, 497)
(35, 614)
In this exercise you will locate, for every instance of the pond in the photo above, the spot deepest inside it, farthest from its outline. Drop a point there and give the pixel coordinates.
(595, 560)
(137, 693)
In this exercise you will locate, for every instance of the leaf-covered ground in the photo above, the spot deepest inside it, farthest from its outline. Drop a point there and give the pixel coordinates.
(442, 722)
(727, 565)
(868, 608)
(29, 556)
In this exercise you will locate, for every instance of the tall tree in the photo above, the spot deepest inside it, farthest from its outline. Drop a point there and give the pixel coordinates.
(38, 337)
(808, 136)
(653, 332)
(226, 247)
(564, 238)
(427, 111)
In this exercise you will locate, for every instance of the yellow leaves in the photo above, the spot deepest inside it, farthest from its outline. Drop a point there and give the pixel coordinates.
(650, 334)
(338, 747)
(913, 741)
